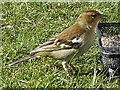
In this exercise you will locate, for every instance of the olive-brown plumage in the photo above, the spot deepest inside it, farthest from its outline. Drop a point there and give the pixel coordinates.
(73, 41)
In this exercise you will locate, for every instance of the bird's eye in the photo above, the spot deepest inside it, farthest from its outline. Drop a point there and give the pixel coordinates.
(93, 15)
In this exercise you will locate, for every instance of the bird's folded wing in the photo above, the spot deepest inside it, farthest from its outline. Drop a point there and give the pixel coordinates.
(55, 45)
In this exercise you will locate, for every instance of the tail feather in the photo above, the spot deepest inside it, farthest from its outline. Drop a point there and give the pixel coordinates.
(21, 60)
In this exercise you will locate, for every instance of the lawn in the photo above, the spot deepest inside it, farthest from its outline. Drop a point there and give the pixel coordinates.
(26, 25)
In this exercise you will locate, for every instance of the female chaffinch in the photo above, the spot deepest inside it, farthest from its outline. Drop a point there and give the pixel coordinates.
(72, 42)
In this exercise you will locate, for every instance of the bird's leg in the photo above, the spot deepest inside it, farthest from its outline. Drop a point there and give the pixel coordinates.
(65, 66)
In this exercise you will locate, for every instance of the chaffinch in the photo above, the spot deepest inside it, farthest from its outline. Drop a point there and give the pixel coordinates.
(72, 42)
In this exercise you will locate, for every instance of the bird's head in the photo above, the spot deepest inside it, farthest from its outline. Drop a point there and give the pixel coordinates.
(91, 17)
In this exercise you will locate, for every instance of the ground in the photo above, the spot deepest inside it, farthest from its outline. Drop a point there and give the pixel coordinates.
(26, 25)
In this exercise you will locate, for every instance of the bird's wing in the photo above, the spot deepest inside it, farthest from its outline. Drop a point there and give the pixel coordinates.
(56, 44)
(72, 37)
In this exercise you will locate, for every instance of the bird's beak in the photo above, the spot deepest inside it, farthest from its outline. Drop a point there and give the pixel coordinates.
(102, 16)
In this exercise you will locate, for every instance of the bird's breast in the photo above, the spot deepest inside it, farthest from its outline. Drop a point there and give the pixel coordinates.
(88, 41)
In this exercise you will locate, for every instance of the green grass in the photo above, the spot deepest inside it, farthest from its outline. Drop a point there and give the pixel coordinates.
(26, 25)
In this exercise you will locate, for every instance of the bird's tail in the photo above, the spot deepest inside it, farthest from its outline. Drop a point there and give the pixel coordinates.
(21, 60)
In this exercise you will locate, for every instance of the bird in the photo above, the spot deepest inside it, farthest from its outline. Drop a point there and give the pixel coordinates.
(72, 42)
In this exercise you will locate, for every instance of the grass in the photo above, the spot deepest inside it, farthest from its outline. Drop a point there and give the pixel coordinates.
(26, 25)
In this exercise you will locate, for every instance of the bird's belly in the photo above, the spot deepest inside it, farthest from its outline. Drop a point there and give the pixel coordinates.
(62, 54)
